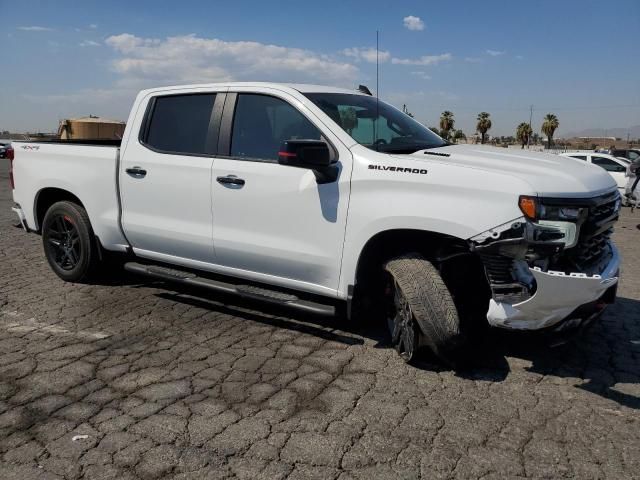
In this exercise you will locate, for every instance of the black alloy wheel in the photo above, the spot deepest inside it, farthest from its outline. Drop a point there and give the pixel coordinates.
(63, 241)
(401, 322)
(70, 245)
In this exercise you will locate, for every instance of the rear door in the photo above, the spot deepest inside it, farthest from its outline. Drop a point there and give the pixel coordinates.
(165, 177)
(275, 222)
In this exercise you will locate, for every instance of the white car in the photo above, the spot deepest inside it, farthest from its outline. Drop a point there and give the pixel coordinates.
(617, 167)
(319, 199)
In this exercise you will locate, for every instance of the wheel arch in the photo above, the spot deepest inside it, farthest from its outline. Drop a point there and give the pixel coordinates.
(387, 244)
(460, 266)
(47, 197)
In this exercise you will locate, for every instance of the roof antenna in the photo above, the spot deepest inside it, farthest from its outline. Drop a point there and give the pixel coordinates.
(375, 128)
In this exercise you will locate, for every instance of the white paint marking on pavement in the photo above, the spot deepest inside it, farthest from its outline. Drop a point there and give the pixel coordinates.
(32, 325)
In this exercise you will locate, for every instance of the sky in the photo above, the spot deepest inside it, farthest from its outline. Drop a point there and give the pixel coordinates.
(578, 59)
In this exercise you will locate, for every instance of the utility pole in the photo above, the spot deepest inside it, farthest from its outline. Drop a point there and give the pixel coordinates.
(530, 128)
(375, 124)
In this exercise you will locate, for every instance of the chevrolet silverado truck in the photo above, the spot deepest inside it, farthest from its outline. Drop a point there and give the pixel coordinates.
(328, 201)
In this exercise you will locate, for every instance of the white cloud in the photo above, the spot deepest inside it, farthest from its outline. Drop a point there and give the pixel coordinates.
(89, 43)
(87, 96)
(413, 23)
(424, 60)
(93, 26)
(422, 75)
(367, 54)
(446, 95)
(35, 28)
(519, 57)
(495, 53)
(473, 59)
(190, 58)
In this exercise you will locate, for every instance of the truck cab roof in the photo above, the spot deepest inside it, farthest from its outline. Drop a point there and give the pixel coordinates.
(298, 87)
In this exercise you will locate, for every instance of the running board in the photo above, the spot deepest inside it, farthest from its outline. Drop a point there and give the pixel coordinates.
(245, 291)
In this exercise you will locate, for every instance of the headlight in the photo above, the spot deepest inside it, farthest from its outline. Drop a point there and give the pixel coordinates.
(569, 214)
(534, 210)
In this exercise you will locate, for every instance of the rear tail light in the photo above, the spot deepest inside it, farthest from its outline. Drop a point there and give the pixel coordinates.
(10, 154)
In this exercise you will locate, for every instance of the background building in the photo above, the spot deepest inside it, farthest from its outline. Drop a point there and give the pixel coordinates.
(91, 127)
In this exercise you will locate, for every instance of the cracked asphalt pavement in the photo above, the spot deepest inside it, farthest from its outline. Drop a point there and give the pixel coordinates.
(140, 380)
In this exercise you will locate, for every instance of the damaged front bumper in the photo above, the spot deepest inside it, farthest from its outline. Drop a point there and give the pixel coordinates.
(557, 296)
(554, 267)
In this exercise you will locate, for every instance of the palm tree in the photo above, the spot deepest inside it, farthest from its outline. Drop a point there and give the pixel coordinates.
(446, 124)
(523, 132)
(458, 135)
(483, 125)
(549, 127)
(435, 130)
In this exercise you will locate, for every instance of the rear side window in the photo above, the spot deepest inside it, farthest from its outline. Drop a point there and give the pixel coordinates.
(261, 123)
(608, 164)
(579, 157)
(180, 123)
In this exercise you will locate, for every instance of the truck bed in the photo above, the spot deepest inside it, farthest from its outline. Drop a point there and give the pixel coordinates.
(87, 171)
(104, 142)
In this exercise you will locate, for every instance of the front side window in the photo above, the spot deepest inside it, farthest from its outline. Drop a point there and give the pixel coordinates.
(261, 123)
(608, 164)
(180, 123)
(376, 125)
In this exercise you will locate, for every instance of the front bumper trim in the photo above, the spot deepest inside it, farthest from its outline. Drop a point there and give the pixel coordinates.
(557, 296)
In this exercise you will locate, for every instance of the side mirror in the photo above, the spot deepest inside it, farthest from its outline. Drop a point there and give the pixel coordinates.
(313, 154)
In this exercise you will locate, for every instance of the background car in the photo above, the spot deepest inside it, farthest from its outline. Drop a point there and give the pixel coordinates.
(617, 167)
(3, 149)
(630, 154)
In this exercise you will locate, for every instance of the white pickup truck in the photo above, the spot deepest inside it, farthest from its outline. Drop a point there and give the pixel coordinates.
(321, 198)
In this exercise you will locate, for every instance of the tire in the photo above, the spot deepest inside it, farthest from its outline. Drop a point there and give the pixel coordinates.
(69, 242)
(435, 320)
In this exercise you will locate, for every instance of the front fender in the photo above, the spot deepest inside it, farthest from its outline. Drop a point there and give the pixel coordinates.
(450, 200)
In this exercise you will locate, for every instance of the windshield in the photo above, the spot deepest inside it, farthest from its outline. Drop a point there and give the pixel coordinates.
(376, 125)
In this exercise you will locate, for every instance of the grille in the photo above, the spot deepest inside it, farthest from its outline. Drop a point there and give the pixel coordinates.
(498, 268)
(499, 272)
(595, 233)
(590, 249)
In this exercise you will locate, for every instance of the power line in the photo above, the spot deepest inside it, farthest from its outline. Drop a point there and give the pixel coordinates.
(524, 109)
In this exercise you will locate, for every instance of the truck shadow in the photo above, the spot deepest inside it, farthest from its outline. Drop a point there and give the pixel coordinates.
(330, 329)
(594, 359)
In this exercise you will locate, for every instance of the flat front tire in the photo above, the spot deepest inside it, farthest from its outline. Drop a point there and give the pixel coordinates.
(421, 310)
(69, 242)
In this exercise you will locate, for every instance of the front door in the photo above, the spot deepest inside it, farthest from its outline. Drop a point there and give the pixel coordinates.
(274, 222)
(165, 179)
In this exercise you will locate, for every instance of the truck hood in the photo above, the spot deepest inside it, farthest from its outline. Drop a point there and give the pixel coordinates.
(548, 174)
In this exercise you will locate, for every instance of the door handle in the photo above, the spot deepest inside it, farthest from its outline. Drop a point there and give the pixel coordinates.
(231, 180)
(136, 171)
